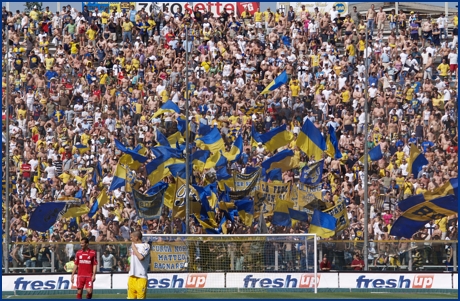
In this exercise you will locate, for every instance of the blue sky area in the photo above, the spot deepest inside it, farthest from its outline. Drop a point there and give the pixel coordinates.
(20, 5)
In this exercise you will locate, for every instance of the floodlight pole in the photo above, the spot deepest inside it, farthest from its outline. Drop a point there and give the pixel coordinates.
(7, 154)
(366, 155)
(187, 139)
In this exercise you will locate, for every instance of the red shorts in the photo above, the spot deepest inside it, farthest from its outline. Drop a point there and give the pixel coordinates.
(453, 67)
(84, 281)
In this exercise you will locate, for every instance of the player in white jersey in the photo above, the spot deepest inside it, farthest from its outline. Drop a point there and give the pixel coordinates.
(140, 259)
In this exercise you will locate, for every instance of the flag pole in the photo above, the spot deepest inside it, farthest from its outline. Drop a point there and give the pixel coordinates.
(7, 155)
(187, 138)
(366, 160)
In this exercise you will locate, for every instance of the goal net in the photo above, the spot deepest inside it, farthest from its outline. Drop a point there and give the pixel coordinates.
(233, 262)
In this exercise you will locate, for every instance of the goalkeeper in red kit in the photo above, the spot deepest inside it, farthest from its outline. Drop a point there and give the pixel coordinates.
(86, 264)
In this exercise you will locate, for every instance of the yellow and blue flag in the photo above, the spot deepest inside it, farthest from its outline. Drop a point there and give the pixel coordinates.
(332, 144)
(322, 224)
(168, 107)
(255, 136)
(276, 83)
(46, 214)
(119, 178)
(157, 170)
(149, 206)
(276, 138)
(312, 173)
(245, 209)
(178, 170)
(136, 158)
(273, 175)
(59, 115)
(101, 200)
(212, 161)
(283, 160)
(375, 154)
(181, 125)
(298, 215)
(420, 209)
(76, 210)
(161, 139)
(416, 160)
(224, 178)
(97, 173)
(212, 141)
(82, 148)
(281, 216)
(203, 129)
(157, 187)
(199, 159)
(207, 210)
(420, 214)
(311, 141)
(237, 149)
(207, 225)
(158, 151)
(175, 139)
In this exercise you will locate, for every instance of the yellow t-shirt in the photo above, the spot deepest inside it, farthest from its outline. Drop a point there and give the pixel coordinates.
(345, 96)
(164, 95)
(295, 89)
(409, 94)
(105, 17)
(442, 223)
(138, 108)
(444, 68)
(314, 60)
(33, 15)
(351, 50)
(127, 26)
(400, 155)
(84, 139)
(73, 48)
(337, 69)
(22, 114)
(136, 63)
(151, 24)
(267, 15)
(103, 79)
(49, 62)
(258, 17)
(233, 119)
(361, 45)
(91, 34)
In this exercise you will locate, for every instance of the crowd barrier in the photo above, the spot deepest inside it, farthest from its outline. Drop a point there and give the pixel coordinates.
(331, 280)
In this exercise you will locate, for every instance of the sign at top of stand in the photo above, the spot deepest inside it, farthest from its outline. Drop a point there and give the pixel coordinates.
(215, 7)
(323, 7)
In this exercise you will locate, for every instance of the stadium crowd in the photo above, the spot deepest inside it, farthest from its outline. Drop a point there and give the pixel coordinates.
(81, 77)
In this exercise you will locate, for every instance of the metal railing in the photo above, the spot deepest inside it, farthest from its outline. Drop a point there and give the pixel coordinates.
(388, 255)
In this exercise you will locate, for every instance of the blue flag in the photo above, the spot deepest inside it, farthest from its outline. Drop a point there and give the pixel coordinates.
(312, 173)
(45, 215)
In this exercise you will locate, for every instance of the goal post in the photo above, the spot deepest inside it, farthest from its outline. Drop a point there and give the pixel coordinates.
(248, 262)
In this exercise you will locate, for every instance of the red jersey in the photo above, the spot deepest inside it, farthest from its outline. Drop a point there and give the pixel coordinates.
(26, 168)
(85, 260)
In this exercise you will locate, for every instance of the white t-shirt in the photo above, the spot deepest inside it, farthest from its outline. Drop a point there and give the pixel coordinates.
(139, 268)
(107, 261)
(50, 171)
(453, 58)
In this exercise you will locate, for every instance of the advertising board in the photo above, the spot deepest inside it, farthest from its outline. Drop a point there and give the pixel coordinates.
(38, 282)
(281, 280)
(392, 280)
(176, 280)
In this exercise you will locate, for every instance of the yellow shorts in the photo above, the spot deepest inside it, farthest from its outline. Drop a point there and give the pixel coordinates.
(137, 287)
